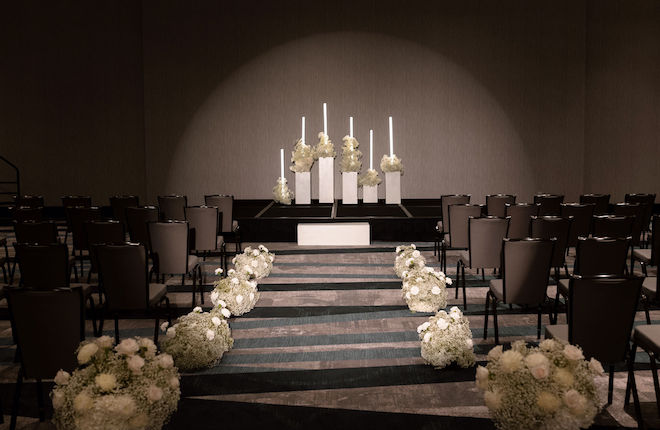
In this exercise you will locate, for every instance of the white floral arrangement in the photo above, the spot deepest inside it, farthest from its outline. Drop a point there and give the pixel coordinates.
(302, 157)
(546, 387)
(325, 147)
(235, 292)
(281, 192)
(199, 339)
(424, 290)
(391, 164)
(350, 155)
(254, 263)
(129, 386)
(408, 258)
(446, 338)
(369, 179)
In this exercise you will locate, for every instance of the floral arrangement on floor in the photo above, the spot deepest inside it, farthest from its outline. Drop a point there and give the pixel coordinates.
(325, 147)
(129, 386)
(546, 387)
(254, 263)
(281, 192)
(424, 290)
(302, 157)
(350, 155)
(408, 258)
(235, 292)
(369, 179)
(391, 164)
(198, 339)
(446, 338)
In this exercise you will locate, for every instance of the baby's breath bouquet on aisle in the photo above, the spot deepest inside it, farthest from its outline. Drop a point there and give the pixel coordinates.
(369, 179)
(302, 157)
(198, 339)
(129, 386)
(325, 147)
(408, 258)
(424, 290)
(350, 156)
(446, 338)
(238, 293)
(546, 387)
(254, 263)
(391, 164)
(281, 192)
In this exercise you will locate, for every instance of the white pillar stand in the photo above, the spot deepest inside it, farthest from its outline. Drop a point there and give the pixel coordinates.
(349, 188)
(326, 180)
(393, 188)
(370, 194)
(303, 188)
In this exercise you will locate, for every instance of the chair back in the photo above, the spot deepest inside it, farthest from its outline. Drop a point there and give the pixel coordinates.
(102, 232)
(637, 212)
(43, 267)
(225, 205)
(43, 232)
(601, 202)
(646, 200)
(78, 216)
(119, 205)
(549, 204)
(203, 223)
(611, 226)
(48, 327)
(546, 227)
(655, 239)
(458, 224)
(169, 246)
(123, 274)
(27, 213)
(581, 224)
(496, 204)
(172, 207)
(29, 201)
(76, 201)
(137, 219)
(601, 314)
(526, 270)
(485, 239)
(520, 214)
(601, 256)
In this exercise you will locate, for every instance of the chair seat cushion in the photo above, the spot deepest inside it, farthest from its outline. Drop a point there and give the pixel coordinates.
(559, 332)
(497, 288)
(648, 337)
(156, 293)
(649, 287)
(563, 287)
(643, 255)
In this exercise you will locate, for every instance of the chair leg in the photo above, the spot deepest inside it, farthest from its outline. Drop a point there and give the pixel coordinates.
(486, 315)
(495, 325)
(610, 386)
(631, 363)
(645, 300)
(75, 272)
(40, 400)
(117, 329)
(201, 285)
(17, 397)
(538, 326)
(458, 275)
(464, 295)
(656, 385)
(633, 388)
(156, 327)
(193, 291)
(444, 256)
(93, 315)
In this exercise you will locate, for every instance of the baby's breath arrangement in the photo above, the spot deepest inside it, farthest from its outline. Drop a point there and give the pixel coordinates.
(369, 179)
(424, 290)
(236, 291)
(408, 258)
(350, 156)
(546, 387)
(325, 147)
(198, 339)
(446, 338)
(129, 386)
(391, 164)
(302, 157)
(254, 263)
(281, 192)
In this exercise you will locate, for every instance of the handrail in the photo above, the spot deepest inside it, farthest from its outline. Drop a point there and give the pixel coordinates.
(18, 174)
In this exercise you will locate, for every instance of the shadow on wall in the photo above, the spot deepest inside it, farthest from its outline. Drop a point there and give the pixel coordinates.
(449, 130)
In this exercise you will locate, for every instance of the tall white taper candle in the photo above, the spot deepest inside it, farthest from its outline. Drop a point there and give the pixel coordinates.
(282, 164)
(302, 137)
(371, 149)
(391, 140)
(350, 120)
(325, 119)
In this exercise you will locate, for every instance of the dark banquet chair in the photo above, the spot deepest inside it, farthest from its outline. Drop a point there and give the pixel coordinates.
(581, 225)
(457, 222)
(171, 208)
(549, 204)
(204, 239)
(496, 204)
(648, 257)
(136, 222)
(119, 205)
(601, 202)
(520, 214)
(442, 227)
(227, 226)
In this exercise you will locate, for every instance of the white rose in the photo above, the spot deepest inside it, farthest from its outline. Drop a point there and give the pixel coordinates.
(197, 309)
(404, 274)
(249, 270)
(165, 361)
(495, 353)
(154, 393)
(62, 377)
(448, 281)
(410, 262)
(407, 296)
(573, 353)
(548, 344)
(493, 400)
(214, 296)
(255, 252)
(469, 343)
(216, 321)
(233, 260)
(427, 337)
(149, 346)
(174, 382)
(254, 263)
(128, 347)
(235, 281)
(435, 290)
(171, 332)
(575, 402)
(428, 269)
(239, 299)
(419, 280)
(210, 334)
(225, 312)
(82, 402)
(231, 272)
(456, 316)
(548, 402)
(564, 377)
(595, 366)
(482, 377)
(104, 342)
(412, 245)
(510, 361)
(271, 258)
(222, 303)
(423, 327)
(164, 326)
(253, 284)
(538, 364)
(135, 363)
(398, 249)
(251, 296)
(414, 290)
(442, 323)
(86, 352)
(454, 309)
(218, 271)
(416, 254)
(57, 399)
(263, 248)
(106, 381)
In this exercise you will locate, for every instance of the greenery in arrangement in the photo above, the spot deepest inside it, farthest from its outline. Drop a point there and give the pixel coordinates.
(408, 258)
(546, 387)
(198, 339)
(325, 147)
(446, 338)
(128, 386)
(254, 263)
(424, 289)
(369, 179)
(281, 192)
(391, 164)
(350, 156)
(238, 293)
(302, 157)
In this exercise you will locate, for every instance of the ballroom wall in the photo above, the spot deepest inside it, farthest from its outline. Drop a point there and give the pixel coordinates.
(157, 97)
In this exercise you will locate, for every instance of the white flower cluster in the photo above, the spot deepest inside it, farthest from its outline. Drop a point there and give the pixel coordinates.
(546, 387)
(325, 147)
(254, 263)
(281, 192)
(350, 155)
(391, 164)
(369, 178)
(446, 338)
(424, 290)
(302, 157)
(198, 339)
(408, 259)
(235, 292)
(129, 386)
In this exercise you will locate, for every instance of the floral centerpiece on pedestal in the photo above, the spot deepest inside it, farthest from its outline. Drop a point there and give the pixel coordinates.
(369, 179)
(424, 290)
(546, 387)
(350, 156)
(198, 339)
(281, 192)
(302, 157)
(391, 164)
(408, 258)
(238, 293)
(325, 147)
(255, 263)
(446, 338)
(129, 386)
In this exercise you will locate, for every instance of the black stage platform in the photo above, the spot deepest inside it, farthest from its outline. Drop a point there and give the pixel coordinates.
(266, 221)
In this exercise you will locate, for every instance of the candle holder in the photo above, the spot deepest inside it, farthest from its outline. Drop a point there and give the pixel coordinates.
(303, 188)
(349, 188)
(370, 194)
(326, 180)
(393, 188)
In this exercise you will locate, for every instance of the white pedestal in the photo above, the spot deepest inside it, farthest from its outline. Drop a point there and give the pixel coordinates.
(370, 194)
(349, 188)
(334, 233)
(303, 191)
(393, 188)
(326, 180)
